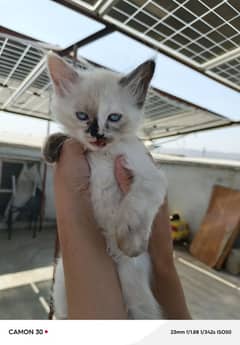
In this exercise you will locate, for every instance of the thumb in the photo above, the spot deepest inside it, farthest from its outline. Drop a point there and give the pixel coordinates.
(123, 175)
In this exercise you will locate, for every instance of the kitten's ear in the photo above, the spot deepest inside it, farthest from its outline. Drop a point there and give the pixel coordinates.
(62, 74)
(138, 81)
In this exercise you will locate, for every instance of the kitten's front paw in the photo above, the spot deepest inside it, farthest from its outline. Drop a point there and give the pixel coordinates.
(131, 236)
(52, 147)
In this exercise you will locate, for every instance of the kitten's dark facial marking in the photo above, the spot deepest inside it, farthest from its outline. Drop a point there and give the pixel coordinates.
(93, 129)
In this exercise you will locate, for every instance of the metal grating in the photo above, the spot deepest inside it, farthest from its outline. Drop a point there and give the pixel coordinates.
(195, 31)
(165, 116)
(158, 106)
(25, 88)
(91, 5)
(16, 61)
(229, 70)
(24, 83)
(180, 123)
(198, 29)
(35, 100)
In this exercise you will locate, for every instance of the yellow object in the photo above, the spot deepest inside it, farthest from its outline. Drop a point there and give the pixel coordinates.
(179, 227)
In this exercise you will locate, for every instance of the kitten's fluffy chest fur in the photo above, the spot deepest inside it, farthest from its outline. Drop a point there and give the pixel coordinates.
(106, 195)
(105, 192)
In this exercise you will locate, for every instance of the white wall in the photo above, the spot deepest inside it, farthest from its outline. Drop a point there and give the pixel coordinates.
(190, 183)
(190, 187)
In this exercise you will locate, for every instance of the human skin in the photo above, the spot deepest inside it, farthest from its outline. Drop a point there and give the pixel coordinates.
(92, 284)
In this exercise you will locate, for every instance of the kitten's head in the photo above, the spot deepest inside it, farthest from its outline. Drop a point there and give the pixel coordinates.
(97, 106)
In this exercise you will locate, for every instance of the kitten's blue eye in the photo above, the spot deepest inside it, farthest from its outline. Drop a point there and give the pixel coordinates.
(82, 116)
(114, 117)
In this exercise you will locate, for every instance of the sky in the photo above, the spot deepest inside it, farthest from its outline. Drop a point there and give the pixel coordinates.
(170, 76)
(33, 131)
(224, 140)
(46, 21)
(53, 23)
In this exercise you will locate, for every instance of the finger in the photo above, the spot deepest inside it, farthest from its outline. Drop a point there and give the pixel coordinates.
(72, 147)
(73, 168)
(72, 156)
(123, 175)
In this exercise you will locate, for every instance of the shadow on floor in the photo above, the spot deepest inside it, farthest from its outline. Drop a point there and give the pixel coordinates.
(27, 302)
(23, 252)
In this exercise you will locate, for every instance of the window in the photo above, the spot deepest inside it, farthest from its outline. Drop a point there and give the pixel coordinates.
(9, 169)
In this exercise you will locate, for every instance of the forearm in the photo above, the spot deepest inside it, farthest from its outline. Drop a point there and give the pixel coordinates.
(169, 293)
(167, 286)
(92, 286)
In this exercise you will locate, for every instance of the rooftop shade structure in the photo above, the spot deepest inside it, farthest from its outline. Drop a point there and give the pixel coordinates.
(170, 76)
(47, 21)
(203, 33)
(180, 100)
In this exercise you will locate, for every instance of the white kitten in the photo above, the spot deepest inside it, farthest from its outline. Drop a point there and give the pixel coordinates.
(103, 110)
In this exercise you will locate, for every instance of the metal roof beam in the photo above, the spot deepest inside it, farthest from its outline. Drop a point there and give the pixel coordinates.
(89, 7)
(221, 59)
(37, 70)
(15, 34)
(3, 46)
(97, 35)
(104, 18)
(167, 134)
(105, 8)
(17, 64)
(223, 80)
(23, 113)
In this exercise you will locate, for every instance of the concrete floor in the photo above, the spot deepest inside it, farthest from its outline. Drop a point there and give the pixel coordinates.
(25, 274)
(26, 271)
(210, 294)
(23, 252)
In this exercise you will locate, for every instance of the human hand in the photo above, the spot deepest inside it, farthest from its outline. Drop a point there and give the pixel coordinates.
(92, 284)
(73, 168)
(160, 238)
(86, 262)
(166, 284)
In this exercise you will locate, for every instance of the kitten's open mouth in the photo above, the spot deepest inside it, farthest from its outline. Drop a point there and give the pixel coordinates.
(100, 142)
